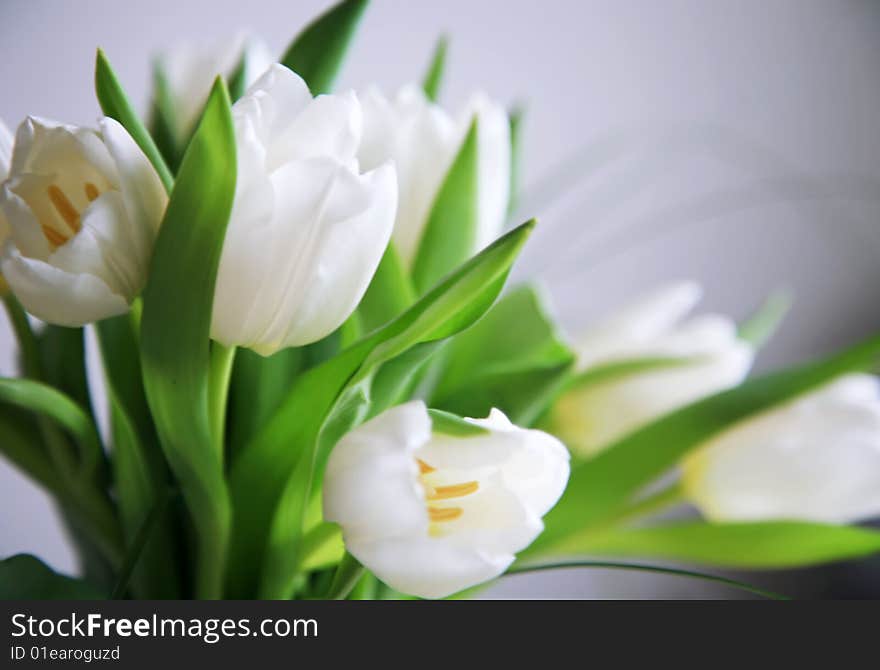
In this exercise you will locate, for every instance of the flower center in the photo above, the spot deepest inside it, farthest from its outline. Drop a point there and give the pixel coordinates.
(67, 212)
(441, 514)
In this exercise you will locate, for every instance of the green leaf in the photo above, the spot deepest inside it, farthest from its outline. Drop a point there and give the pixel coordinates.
(271, 480)
(761, 326)
(600, 485)
(434, 75)
(175, 330)
(765, 545)
(163, 120)
(116, 105)
(22, 446)
(25, 577)
(140, 471)
(316, 54)
(451, 229)
(45, 400)
(450, 424)
(390, 292)
(513, 359)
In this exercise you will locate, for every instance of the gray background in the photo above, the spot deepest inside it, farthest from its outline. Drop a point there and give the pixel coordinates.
(732, 142)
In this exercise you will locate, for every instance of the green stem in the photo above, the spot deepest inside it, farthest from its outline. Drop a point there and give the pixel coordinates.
(347, 575)
(137, 546)
(27, 341)
(520, 569)
(220, 373)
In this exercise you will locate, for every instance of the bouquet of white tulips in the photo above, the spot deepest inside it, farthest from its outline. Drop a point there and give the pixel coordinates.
(318, 385)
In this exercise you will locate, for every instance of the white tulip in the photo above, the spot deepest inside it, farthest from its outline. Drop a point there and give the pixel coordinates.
(592, 417)
(423, 139)
(190, 70)
(83, 209)
(815, 459)
(307, 228)
(431, 514)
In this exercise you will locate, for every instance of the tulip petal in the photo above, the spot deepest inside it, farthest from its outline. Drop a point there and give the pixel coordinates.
(57, 296)
(336, 225)
(145, 197)
(330, 126)
(371, 480)
(426, 568)
(493, 156)
(107, 247)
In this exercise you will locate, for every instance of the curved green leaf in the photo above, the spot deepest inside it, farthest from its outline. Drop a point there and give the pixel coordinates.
(451, 230)
(115, 104)
(600, 485)
(771, 544)
(25, 577)
(45, 400)
(316, 54)
(175, 330)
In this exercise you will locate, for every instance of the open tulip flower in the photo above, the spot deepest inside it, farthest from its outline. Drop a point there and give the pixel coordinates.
(283, 278)
(431, 513)
(83, 209)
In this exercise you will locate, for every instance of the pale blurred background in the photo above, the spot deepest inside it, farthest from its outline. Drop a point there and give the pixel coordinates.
(731, 142)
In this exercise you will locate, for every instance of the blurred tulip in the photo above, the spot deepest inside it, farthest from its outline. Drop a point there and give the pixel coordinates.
(190, 70)
(431, 514)
(711, 358)
(83, 209)
(814, 459)
(423, 139)
(307, 229)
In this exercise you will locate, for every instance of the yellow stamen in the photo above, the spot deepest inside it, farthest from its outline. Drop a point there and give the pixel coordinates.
(444, 513)
(92, 191)
(55, 238)
(424, 468)
(64, 207)
(453, 491)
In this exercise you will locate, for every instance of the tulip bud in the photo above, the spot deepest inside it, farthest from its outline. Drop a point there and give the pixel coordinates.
(83, 209)
(589, 418)
(307, 228)
(423, 139)
(431, 513)
(815, 459)
(190, 70)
